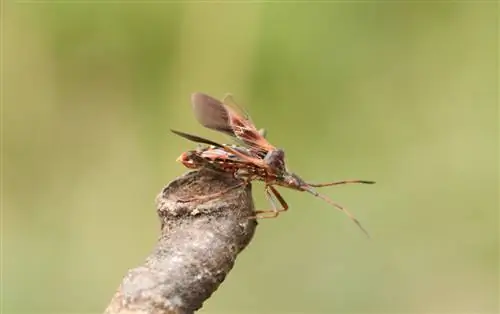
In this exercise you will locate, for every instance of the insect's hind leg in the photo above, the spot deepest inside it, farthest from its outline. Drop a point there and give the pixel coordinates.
(270, 192)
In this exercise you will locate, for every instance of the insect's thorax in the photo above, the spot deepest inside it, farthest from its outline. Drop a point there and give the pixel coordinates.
(275, 159)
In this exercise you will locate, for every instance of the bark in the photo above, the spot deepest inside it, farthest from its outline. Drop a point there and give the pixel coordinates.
(197, 248)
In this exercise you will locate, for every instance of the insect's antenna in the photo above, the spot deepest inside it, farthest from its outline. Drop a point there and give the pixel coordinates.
(339, 207)
(318, 185)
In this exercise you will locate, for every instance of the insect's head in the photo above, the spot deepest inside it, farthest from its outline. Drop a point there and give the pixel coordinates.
(291, 180)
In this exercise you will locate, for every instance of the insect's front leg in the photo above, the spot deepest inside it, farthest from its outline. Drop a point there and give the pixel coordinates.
(270, 193)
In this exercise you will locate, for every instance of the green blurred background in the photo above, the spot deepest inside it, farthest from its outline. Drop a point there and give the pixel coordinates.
(402, 93)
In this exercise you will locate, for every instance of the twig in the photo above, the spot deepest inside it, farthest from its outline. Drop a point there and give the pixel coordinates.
(197, 247)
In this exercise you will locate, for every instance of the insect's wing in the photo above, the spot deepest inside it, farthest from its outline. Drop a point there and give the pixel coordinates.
(238, 110)
(211, 113)
(243, 155)
(243, 127)
(229, 118)
(196, 139)
(216, 153)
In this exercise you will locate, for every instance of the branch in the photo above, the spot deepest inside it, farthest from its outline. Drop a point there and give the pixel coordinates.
(197, 247)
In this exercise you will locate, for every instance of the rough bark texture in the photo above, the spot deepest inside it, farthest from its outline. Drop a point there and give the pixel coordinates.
(197, 247)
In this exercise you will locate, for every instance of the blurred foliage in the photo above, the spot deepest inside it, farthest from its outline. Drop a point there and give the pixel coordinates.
(404, 93)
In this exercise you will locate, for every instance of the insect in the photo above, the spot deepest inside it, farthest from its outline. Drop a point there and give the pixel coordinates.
(256, 159)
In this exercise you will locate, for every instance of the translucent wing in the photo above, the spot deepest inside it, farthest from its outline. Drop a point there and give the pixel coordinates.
(228, 100)
(229, 118)
(211, 113)
(243, 127)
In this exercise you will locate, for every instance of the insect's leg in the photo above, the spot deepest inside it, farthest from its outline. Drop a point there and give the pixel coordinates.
(270, 192)
(318, 185)
(212, 196)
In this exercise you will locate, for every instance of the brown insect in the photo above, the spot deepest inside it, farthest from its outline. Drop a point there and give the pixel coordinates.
(256, 160)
